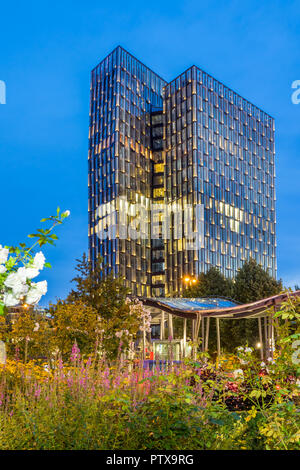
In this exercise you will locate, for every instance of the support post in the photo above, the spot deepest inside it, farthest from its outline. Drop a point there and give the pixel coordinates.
(203, 335)
(266, 337)
(207, 334)
(170, 326)
(162, 326)
(196, 327)
(218, 337)
(184, 337)
(271, 333)
(261, 339)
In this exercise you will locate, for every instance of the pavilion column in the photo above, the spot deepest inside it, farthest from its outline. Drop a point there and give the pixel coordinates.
(170, 326)
(184, 337)
(195, 329)
(203, 334)
(266, 337)
(162, 326)
(218, 337)
(207, 334)
(261, 339)
(271, 336)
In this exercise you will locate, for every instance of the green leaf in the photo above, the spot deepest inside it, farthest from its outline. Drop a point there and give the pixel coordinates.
(2, 307)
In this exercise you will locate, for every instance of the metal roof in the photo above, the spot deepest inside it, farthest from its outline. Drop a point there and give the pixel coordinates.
(217, 307)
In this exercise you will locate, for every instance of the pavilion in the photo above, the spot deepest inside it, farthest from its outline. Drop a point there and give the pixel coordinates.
(200, 310)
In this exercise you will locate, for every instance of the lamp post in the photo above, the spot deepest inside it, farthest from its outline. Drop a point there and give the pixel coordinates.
(189, 281)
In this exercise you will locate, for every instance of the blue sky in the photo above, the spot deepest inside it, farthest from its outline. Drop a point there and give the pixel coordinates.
(47, 50)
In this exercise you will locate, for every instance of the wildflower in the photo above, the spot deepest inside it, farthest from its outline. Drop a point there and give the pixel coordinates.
(2, 269)
(238, 373)
(75, 352)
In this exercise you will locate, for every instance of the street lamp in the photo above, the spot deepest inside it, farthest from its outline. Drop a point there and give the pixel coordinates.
(189, 281)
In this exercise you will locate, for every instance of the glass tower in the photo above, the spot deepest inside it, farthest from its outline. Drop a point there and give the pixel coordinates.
(192, 143)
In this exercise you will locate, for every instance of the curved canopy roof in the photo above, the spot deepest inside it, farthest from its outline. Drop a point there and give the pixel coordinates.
(216, 307)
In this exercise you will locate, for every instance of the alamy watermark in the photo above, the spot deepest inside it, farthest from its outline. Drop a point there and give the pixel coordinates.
(296, 94)
(140, 221)
(2, 92)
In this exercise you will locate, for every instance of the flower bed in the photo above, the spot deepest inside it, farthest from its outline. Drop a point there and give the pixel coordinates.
(88, 405)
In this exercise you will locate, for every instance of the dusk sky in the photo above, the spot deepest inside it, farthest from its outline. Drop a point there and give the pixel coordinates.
(47, 52)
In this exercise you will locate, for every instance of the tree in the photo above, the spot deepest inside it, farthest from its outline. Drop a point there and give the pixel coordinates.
(73, 322)
(31, 334)
(105, 294)
(253, 283)
(211, 283)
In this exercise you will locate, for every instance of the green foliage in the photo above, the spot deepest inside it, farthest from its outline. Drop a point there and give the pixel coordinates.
(211, 283)
(105, 294)
(253, 283)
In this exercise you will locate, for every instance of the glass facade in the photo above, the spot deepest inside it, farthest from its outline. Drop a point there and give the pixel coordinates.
(192, 141)
(123, 95)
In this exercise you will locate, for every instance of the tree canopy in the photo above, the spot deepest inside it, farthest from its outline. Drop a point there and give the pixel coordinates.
(105, 294)
(211, 283)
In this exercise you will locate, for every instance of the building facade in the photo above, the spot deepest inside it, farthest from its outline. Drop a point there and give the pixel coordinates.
(191, 144)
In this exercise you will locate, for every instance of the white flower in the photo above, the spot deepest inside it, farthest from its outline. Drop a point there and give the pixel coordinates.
(66, 213)
(10, 300)
(36, 291)
(271, 360)
(262, 364)
(248, 350)
(2, 269)
(3, 254)
(240, 348)
(17, 282)
(39, 260)
(37, 327)
(238, 373)
(15, 278)
(32, 272)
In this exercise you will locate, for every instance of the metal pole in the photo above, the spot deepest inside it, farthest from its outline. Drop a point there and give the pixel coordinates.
(260, 339)
(184, 337)
(218, 337)
(162, 326)
(170, 325)
(207, 334)
(266, 336)
(203, 335)
(144, 339)
(271, 337)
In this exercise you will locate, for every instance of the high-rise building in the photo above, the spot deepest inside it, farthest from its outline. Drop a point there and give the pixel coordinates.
(158, 148)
